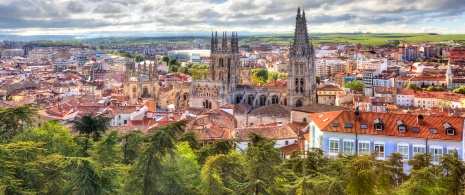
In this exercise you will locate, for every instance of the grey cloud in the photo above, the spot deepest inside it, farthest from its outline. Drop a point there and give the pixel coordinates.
(75, 7)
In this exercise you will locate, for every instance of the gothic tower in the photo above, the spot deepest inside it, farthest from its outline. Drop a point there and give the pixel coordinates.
(301, 82)
(225, 67)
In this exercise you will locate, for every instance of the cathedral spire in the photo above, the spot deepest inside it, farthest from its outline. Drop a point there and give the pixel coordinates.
(212, 44)
(224, 44)
(301, 46)
(216, 40)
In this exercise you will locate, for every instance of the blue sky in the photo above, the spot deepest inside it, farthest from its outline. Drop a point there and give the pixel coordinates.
(184, 17)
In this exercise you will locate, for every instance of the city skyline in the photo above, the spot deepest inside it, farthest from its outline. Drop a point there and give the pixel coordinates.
(160, 18)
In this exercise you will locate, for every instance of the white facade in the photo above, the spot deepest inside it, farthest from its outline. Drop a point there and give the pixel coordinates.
(405, 100)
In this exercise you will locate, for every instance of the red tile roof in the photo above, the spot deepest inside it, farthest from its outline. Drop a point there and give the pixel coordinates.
(324, 121)
(276, 132)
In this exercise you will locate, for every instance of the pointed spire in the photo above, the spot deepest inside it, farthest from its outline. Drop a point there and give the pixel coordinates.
(212, 44)
(298, 12)
(303, 14)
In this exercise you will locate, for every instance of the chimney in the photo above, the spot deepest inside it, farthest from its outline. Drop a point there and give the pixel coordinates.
(356, 114)
(420, 119)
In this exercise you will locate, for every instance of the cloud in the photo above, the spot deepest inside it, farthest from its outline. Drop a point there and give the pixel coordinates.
(268, 16)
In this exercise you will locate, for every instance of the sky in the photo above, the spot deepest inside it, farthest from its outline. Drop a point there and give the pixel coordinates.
(99, 18)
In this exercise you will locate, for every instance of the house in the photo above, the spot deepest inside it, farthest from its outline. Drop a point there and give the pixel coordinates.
(350, 132)
(326, 94)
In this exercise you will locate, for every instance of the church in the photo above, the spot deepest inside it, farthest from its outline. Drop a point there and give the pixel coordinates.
(224, 84)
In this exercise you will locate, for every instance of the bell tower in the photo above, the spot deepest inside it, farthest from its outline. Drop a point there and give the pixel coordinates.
(301, 82)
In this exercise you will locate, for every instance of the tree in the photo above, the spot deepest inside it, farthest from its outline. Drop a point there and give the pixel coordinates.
(259, 75)
(460, 90)
(413, 86)
(165, 59)
(107, 152)
(444, 104)
(14, 119)
(261, 159)
(56, 138)
(222, 173)
(133, 142)
(362, 175)
(422, 181)
(354, 85)
(218, 147)
(138, 58)
(435, 88)
(272, 76)
(148, 165)
(420, 161)
(453, 174)
(90, 125)
(318, 80)
(89, 179)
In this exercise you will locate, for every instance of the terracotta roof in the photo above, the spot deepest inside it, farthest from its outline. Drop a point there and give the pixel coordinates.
(428, 78)
(277, 83)
(272, 110)
(241, 108)
(277, 132)
(323, 87)
(325, 122)
(315, 108)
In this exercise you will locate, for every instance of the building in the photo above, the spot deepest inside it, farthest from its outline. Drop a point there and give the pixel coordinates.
(457, 54)
(225, 85)
(350, 132)
(327, 94)
(141, 81)
(8, 53)
(194, 56)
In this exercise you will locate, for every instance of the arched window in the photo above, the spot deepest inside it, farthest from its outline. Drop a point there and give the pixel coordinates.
(298, 103)
(285, 101)
(221, 62)
(274, 99)
(207, 104)
(262, 100)
(250, 99)
(238, 99)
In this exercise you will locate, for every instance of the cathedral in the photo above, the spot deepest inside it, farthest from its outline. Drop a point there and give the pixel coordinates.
(141, 81)
(224, 84)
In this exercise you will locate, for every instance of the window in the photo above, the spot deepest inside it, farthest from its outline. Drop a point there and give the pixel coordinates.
(348, 146)
(450, 131)
(363, 147)
(333, 145)
(379, 150)
(378, 127)
(403, 149)
(119, 116)
(286, 142)
(436, 154)
(363, 126)
(433, 130)
(418, 149)
(335, 124)
(348, 125)
(125, 121)
(415, 129)
(451, 150)
(402, 128)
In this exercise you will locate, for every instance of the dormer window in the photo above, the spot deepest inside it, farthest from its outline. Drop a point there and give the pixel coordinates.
(449, 129)
(378, 124)
(401, 127)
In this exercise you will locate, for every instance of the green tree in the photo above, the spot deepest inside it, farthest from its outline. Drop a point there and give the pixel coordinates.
(259, 75)
(165, 59)
(133, 142)
(138, 58)
(318, 80)
(413, 86)
(460, 90)
(420, 161)
(218, 147)
(453, 174)
(222, 173)
(107, 152)
(423, 182)
(362, 175)
(56, 138)
(261, 160)
(148, 165)
(89, 179)
(90, 125)
(354, 85)
(435, 88)
(272, 76)
(14, 119)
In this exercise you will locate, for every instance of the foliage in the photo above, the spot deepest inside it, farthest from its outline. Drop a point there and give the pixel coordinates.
(413, 86)
(354, 85)
(259, 75)
(460, 90)
(318, 80)
(14, 119)
(435, 88)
